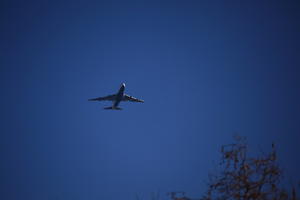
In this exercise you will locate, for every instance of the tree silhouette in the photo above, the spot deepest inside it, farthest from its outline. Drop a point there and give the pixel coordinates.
(245, 177)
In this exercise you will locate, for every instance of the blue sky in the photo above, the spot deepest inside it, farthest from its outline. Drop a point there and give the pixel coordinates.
(206, 70)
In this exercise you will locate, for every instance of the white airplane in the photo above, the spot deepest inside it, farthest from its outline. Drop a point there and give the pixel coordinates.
(117, 98)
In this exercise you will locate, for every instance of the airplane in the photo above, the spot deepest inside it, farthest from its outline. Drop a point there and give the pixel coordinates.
(117, 98)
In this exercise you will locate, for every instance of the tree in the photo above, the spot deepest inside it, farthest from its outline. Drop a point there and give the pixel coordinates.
(245, 177)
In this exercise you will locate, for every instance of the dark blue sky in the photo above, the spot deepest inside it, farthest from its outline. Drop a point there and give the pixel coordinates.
(206, 70)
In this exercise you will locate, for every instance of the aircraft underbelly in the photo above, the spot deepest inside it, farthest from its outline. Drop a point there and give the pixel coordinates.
(118, 99)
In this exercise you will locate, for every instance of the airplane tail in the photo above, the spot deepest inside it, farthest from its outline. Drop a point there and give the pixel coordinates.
(113, 108)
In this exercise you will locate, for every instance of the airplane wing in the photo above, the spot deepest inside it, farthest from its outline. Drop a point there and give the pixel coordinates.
(131, 98)
(106, 98)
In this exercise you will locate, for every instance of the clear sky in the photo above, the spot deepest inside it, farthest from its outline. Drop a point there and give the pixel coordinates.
(206, 70)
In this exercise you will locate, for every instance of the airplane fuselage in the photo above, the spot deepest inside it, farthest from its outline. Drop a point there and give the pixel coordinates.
(120, 95)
